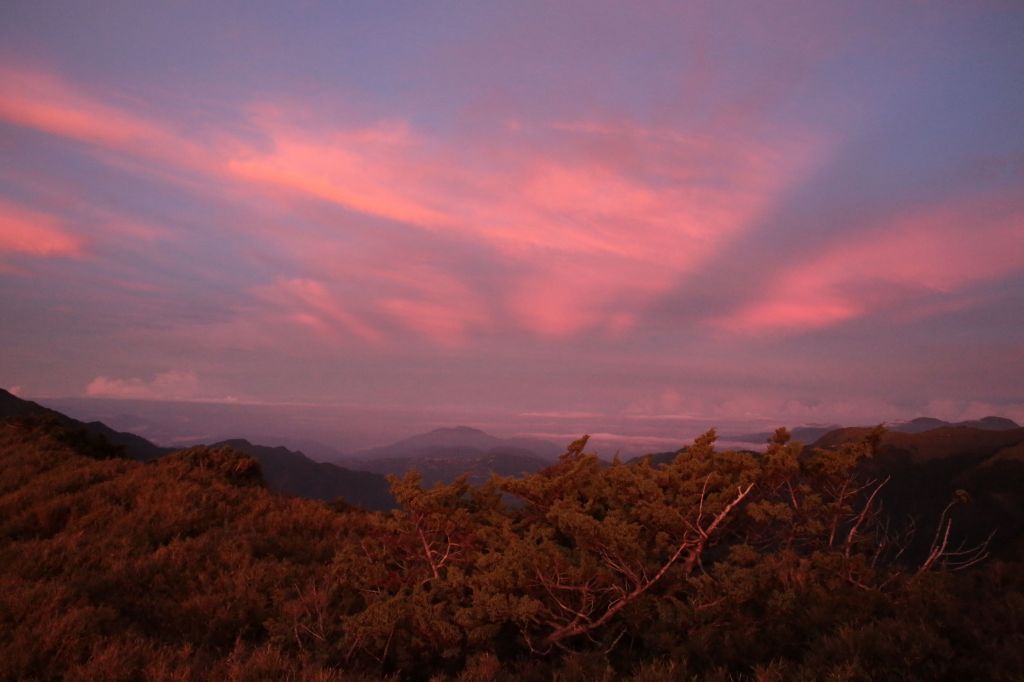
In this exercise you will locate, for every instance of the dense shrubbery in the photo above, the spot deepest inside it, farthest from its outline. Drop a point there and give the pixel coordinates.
(719, 565)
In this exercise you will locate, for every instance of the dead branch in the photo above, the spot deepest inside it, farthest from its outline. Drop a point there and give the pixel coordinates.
(692, 548)
(852, 535)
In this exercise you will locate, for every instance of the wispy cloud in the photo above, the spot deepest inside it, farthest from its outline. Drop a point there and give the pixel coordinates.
(563, 414)
(310, 303)
(33, 233)
(44, 101)
(529, 215)
(592, 220)
(930, 250)
(591, 233)
(170, 385)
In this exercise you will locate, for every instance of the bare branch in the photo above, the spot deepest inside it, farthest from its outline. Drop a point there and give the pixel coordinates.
(693, 550)
(852, 535)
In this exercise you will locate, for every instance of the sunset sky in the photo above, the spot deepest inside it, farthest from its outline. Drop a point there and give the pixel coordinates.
(799, 212)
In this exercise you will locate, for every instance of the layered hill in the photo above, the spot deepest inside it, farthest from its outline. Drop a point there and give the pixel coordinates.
(810, 433)
(981, 467)
(804, 434)
(285, 471)
(116, 569)
(963, 443)
(922, 424)
(133, 446)
(462, 438)
(929, 469)
(292, 473)
(444, 454)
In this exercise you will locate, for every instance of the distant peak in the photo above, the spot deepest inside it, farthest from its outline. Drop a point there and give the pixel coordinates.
(236, 442)
(457, 429)
(921, 424)
(999, 422)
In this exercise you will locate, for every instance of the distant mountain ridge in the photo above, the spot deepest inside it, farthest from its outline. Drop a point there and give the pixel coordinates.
(926, 469)
(440, 455)
(134, 446)
(933, 444)
(459, 437)
(443, 454)
(810, 433)
(805, 434)
(292, 473)
(922, 424)
(981, 468)
(284, 471)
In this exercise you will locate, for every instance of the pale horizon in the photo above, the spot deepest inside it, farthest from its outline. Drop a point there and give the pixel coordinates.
(347, 429)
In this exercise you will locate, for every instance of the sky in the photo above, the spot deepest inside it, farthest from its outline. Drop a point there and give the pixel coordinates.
(605, 213)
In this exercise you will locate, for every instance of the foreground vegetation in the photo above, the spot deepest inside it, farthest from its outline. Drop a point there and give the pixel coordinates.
(716, 565)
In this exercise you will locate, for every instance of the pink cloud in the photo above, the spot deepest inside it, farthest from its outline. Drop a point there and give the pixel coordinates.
(120, 227)
(33, 233)
(39, 100)
(590, 234)
(933, 250)
(43, 101)
(434, 304)
(358, 169)
(770, 408)
(310, 303)
(171, 385)
(591, 220)
(442, 323)
(560, 296)
(563, 414)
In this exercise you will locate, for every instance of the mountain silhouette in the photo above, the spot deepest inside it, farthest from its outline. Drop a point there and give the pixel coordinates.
(922, 424)
(134, 446)
(804, 434)
(284, 471)
(292, 473)
(460, 438)
(927, 469)
(444, 454)
(810, 433)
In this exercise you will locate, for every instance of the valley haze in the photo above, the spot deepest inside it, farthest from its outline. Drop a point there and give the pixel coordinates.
(330, 432)
(339, 433)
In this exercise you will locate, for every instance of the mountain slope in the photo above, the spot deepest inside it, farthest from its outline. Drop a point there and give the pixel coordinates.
(444, 454)
(286, 472)
(810, 433)
(803, 434)
(134, 446)
(922, 424)
(116, 569)
(292, 473)
(463, 438)
(935, 444)
(445, 464)
(927, 470)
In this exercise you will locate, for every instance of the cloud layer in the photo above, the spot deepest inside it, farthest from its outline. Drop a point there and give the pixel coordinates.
(511, 213)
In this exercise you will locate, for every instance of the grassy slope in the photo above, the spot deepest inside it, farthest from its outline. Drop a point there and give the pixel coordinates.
(109, 566)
